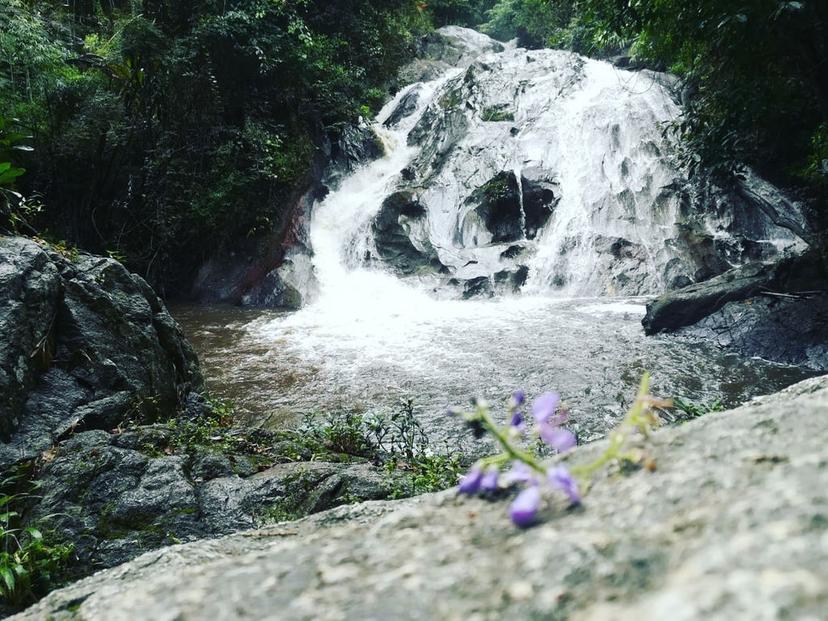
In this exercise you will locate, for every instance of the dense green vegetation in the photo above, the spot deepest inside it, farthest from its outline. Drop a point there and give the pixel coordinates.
(31, 560)
(164, 130)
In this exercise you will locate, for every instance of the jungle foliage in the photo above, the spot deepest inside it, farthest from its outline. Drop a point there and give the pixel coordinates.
(161, 130)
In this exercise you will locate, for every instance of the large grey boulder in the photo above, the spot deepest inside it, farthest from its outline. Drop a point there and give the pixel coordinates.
(784, 328)
(688, 305)
(116, 496)
(733, 524)
(776, 311)
(84, 344)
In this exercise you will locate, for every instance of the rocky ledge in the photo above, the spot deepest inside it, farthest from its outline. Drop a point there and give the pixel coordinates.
(776, 311)
(732, 524)
(85, 345)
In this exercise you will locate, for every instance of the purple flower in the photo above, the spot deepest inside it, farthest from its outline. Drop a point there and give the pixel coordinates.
(558, 438)
(517, 420)
(524, 508)
(470, 483)
(518, 397)
(489, 481)
(561, 479)
(545, 406)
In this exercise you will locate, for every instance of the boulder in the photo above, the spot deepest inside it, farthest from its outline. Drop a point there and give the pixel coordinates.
(688, 305)
(116, 496)
(393, 229)
(784, 328)
(86, 345)
(731, 524)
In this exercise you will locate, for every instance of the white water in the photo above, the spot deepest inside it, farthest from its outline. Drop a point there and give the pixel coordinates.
(339, 226)
(383, 311)
(370, 338)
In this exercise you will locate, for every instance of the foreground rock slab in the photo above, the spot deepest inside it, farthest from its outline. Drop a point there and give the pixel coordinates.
(733, 524)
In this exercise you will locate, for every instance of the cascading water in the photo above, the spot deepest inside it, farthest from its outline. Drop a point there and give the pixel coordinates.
(536, 171)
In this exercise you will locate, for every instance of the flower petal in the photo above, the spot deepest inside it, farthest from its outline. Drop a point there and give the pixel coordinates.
(520, 473)
(524, 508)
(489, 481)
(470, 483)
(545, 406)
(561, 479)
(558, 438)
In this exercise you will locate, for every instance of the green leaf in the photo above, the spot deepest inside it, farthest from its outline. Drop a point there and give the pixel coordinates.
(8, 175)
(34, 533)
(8, 578)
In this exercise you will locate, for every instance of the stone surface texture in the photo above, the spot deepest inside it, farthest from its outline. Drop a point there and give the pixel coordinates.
(732, 524)
(85, 345)
(116, 496)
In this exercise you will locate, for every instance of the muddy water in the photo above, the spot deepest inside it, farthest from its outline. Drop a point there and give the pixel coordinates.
(278, 366)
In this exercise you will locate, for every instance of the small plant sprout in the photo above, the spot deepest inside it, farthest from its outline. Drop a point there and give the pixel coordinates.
(537, 478)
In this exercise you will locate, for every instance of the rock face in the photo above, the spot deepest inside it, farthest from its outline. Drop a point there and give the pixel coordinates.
(392, 228)
(563, 155)
(85, 345)
(688, 305)
(776, 311)
(790, 330)
(116, 496)
(731, 525)
(446, 48)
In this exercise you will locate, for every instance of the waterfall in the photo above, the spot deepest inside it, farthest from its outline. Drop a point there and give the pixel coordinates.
(537, 172)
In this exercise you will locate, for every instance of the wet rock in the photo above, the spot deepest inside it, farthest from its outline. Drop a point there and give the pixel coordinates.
(406, 107)
(283, 286)
(478, 287)
(541, 193)
(86, 344)
(445, 48)
(497, 208)
(512, 280)
(731, 525)
(789, 330)
(685, 306)
(354, 146)
(394, 229)
(513, 252)
(511, 112)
